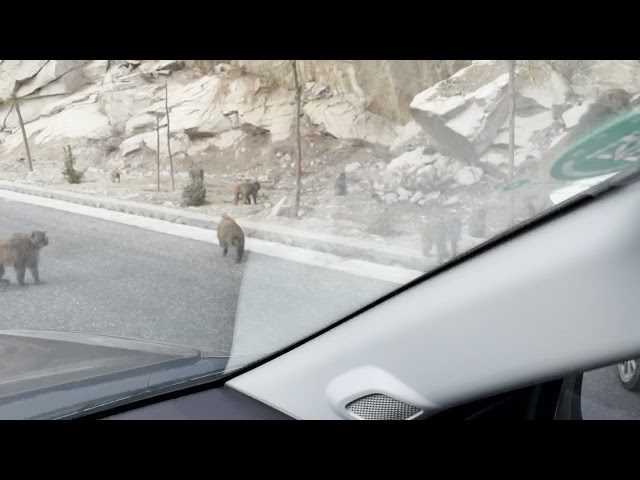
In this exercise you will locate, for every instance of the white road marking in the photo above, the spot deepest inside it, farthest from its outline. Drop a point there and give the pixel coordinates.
(361, 268)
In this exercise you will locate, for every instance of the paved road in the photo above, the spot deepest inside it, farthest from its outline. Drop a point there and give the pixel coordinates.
(107, 278)
(604, 398)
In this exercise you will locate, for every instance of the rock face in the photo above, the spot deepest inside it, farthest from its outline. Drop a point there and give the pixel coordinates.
(384, 87)
(465, 114)
(342, 119)
(83, 99)
(459, 128)
(592, 79)
(15, 72)
(56, 77)
(468, 175)
(442, 124)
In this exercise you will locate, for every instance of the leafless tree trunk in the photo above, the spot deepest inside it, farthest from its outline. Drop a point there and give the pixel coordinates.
(166, 106)
(512, 131)
(158, 147)
(24, 133)
(296, 202)
(4, 123)
(108, 66)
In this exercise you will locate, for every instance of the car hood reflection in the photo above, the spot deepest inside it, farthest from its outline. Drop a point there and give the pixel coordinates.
(46, 374)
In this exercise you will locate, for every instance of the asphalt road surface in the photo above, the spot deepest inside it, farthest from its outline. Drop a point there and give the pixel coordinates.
(104, 277)
(604, 398)
(107, 278)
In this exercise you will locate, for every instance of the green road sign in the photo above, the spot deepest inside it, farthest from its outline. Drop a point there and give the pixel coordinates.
(612, 148)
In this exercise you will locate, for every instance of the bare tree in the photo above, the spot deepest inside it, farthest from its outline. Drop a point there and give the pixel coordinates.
(512, 130)
(166, 106)
(24, 133)
(281, 75)
(298, 92)
(158, 147)
(4, 123)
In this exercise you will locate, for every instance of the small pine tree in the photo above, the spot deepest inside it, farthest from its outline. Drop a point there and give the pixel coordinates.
(194, 193)
(70, 173)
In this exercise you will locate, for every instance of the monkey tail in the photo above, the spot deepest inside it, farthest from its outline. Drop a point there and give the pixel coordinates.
(239, 244)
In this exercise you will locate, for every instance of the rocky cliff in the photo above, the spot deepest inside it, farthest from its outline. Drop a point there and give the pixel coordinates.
(412, 136)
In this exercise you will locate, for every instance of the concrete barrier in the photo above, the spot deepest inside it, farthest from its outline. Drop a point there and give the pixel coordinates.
(322, 242)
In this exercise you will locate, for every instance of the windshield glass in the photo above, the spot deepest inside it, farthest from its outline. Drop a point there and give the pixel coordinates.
(237, 207)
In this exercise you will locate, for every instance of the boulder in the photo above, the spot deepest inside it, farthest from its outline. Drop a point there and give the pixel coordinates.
(140, 124)
(281, 208)
(179, 143)
(468, 175)
(82, 122)
(343, 119)
(56, 77)
(352, 167)
(14, 71)
(601, 75)
(464, 114)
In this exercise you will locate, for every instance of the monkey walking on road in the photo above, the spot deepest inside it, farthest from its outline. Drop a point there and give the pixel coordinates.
(22, 251)
(230, 235)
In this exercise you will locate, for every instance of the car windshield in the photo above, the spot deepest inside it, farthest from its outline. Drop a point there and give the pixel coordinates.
(234, 208)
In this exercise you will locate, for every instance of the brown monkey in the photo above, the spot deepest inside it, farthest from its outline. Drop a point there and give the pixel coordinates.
(478, 223)
(230, 234)
(22, 250)
(340, 185)
(439, 232)
(454, 230)
(246, 191)
(115, 175)
(196, 174)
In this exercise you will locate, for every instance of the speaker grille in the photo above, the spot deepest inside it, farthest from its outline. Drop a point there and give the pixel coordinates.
(382, 407)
